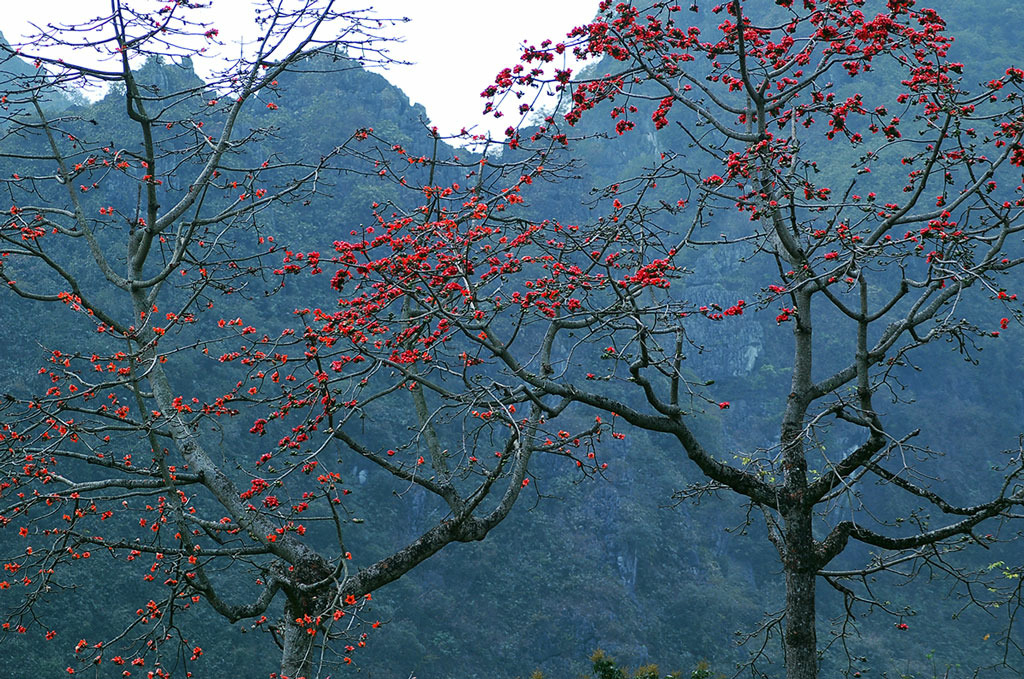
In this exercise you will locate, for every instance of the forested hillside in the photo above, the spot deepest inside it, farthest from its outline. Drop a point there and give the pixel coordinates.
(615, 554)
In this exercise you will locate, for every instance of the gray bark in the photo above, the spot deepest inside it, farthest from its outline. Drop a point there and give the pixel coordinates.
(800, 639)
(298, 645)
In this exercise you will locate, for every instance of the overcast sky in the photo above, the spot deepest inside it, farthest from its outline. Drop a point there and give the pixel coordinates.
(457, 45)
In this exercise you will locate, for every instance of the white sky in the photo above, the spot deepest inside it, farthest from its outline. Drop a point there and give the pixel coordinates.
(458, 46)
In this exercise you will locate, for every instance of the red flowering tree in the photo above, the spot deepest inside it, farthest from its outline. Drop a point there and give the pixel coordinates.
(910, 246)
(145, 235)
(907, 245)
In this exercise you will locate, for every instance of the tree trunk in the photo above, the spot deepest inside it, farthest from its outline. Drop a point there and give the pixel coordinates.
(801, 639)
(297, 656)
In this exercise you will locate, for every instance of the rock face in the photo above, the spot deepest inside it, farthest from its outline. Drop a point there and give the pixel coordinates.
(738, 356)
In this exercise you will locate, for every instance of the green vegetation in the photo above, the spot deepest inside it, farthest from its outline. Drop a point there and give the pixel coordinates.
(613, 561)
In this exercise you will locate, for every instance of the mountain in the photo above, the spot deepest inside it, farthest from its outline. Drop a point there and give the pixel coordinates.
(612, 562)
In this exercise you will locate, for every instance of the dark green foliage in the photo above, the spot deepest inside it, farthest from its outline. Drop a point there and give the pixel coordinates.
(605, 667)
